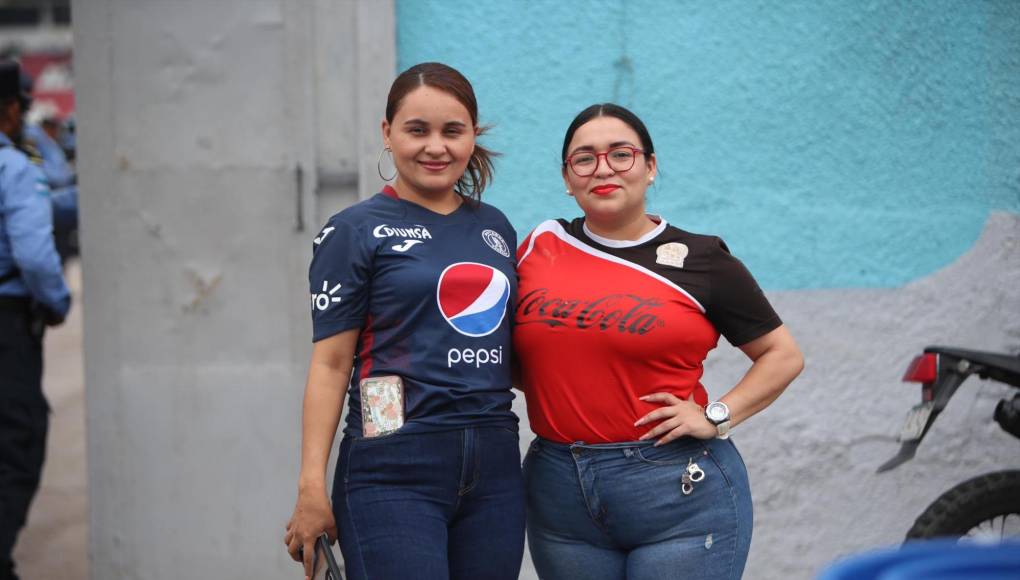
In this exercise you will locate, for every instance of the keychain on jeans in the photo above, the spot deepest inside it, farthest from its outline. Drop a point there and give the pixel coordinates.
(693, 474)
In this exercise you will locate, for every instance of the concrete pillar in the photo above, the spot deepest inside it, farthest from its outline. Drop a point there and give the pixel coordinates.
(205, 129)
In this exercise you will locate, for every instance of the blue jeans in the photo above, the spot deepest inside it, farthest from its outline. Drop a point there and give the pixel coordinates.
(445, 505)
(616, 510)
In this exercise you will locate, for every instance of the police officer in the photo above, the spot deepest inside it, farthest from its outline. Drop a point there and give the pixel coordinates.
(32, 295)
(42, 130)
(41, 136)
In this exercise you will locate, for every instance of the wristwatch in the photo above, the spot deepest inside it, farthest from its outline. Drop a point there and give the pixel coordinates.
(718, 414)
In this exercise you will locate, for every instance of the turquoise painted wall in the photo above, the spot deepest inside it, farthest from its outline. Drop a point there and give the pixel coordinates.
(832, 144)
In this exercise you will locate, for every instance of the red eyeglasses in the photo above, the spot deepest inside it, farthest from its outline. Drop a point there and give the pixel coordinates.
(619, 159)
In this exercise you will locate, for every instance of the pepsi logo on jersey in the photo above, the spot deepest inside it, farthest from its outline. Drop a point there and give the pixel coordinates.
(473, 299)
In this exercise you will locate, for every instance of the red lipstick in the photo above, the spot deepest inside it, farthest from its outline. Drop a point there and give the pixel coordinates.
(605, 189)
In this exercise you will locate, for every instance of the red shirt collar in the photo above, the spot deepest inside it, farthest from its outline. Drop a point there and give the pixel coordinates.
(388, 191)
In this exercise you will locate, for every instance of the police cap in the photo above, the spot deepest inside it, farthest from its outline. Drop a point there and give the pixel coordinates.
(11, 82)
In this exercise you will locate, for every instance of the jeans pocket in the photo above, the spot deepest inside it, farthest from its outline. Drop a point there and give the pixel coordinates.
(667, 455)
(723, 453)
(533, 450)
(368, 455)
(341, 473)
(361, 440)
(513, 432)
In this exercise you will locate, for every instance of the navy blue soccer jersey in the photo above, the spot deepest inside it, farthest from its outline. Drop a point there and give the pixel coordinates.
(431, 294)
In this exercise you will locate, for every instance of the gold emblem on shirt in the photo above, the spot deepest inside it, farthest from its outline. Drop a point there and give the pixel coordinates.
(671, 254)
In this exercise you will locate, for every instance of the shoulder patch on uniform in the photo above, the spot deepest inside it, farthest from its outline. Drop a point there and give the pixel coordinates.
(33, 154)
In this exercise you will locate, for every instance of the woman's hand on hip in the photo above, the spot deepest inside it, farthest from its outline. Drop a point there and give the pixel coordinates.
(677, 418)
(312, 516)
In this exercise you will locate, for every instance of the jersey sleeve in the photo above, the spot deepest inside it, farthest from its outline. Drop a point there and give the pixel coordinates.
(523, 248)
(340, 279)
(737, 306)
(528, 244)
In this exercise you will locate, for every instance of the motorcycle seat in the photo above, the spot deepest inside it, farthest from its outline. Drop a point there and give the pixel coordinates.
(1007, 362)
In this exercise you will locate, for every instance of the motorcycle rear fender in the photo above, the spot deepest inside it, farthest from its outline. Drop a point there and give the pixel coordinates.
(950, 375)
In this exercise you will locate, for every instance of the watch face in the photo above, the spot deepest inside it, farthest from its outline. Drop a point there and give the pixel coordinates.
(717, 412)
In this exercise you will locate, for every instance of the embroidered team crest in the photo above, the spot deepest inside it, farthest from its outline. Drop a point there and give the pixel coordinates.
(671, 254)
(496, 242)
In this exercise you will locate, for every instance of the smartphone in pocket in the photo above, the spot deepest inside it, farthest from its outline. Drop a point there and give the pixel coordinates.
(324, 566)
(382, 405)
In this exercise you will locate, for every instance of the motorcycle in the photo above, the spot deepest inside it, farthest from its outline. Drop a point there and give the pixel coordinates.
(986, 507)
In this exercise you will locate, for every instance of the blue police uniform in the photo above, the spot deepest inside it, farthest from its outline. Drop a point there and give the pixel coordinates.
(32, 294)
(26, 233)
(63, 189)
(58, 171)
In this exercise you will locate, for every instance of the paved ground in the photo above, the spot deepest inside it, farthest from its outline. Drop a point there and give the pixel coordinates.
(55, 542)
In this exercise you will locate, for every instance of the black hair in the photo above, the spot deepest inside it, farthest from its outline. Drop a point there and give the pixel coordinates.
(608, 110)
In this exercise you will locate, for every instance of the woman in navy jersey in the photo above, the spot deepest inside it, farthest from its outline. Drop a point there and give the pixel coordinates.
(410, 294)
(632, 474)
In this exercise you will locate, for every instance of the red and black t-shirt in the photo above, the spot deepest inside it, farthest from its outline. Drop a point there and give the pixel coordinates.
(601, 322)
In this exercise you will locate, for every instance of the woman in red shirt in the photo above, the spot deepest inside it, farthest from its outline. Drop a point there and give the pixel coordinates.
(632, 474)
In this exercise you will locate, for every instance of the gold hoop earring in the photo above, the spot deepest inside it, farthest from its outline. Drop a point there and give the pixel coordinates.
(378, 165)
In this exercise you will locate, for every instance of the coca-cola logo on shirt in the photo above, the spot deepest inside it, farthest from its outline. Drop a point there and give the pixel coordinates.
(622, 312)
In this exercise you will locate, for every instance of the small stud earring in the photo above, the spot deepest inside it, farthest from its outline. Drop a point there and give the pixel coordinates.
(570, 192)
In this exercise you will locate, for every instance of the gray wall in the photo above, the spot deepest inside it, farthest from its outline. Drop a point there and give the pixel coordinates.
(193, 119)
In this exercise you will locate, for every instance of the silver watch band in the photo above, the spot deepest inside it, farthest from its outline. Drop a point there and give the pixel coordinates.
(723, 430)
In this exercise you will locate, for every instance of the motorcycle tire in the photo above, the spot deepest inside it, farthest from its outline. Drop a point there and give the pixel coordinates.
(967, 505)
